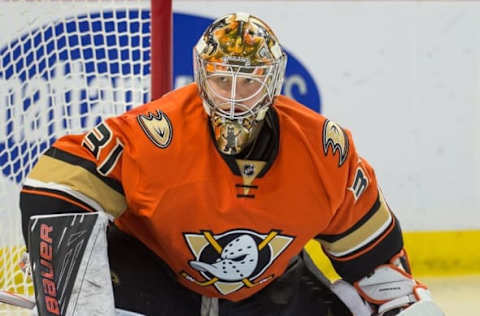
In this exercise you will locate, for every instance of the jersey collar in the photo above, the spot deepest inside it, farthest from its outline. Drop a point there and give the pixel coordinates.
(263, 149)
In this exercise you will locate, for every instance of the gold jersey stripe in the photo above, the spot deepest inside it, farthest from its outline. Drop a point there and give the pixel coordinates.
(365, 234)
(56, 171)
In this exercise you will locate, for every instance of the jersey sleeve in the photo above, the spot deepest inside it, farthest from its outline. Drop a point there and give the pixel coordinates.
(81, 172)
(363, 232)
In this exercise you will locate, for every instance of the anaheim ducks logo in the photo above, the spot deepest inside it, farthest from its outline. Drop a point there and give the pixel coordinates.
(235, 259)
(157, 127)
(335, 137)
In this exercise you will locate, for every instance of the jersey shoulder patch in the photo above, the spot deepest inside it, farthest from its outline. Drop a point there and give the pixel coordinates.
(157, 127)
(334, 137)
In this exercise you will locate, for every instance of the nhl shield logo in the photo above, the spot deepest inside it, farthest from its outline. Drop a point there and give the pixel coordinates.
(157, 127)
(233, 260)
(249, 170)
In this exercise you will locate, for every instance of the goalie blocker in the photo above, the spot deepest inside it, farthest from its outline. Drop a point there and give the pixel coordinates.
(393, 290)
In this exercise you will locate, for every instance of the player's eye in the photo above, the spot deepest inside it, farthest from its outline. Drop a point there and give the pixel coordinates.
(223, 81)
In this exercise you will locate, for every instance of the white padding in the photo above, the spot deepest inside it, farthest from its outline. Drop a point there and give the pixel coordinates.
(209, 306)
(386, 283)
(423, 308)
(396, 303)
(350, 297)
(423, 294)
(122, 312)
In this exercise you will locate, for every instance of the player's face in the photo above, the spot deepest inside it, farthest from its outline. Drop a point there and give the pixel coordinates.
(241, 91)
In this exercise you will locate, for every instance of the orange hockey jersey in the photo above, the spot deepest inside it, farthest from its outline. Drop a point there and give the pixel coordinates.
(226, 232)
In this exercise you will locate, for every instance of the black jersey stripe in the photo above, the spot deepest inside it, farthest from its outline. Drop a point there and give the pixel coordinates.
(36, 204)
(358, 267)
(375, 207)
(246, 186)
(249, 196)
(358, 252)
(88, 165)
(57, 174)
(61, 194)
(377, 225)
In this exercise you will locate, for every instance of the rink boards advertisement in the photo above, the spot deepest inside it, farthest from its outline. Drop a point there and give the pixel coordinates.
(402, 76)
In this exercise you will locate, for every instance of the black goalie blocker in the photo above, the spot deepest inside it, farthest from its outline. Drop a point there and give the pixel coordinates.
(70, 264)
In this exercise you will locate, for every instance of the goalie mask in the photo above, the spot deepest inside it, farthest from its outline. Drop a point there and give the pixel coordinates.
(239, 68)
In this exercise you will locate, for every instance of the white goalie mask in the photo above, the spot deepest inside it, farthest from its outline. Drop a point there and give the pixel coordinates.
(239, 68)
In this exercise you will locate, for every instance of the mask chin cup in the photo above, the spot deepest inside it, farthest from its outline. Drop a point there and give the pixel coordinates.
(233, 136)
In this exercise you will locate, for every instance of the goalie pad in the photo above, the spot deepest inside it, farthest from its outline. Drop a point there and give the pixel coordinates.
(70, 269)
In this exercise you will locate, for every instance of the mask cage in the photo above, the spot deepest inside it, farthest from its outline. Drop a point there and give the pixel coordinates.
(267, 78)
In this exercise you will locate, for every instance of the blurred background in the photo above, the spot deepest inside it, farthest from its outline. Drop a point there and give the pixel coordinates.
(403, 76)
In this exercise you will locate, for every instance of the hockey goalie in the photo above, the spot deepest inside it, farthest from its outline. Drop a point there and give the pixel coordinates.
(214, 191)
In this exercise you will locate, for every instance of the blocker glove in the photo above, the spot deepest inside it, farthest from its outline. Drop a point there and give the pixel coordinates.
(391, 289)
